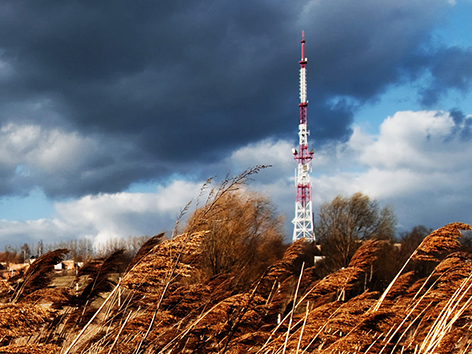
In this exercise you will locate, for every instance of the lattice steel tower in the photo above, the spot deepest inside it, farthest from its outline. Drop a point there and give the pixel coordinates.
(303, 221)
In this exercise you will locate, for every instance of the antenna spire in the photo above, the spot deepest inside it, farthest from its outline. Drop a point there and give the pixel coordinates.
(303, 221)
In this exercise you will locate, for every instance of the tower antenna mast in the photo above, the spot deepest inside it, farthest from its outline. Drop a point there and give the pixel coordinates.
(303, 221)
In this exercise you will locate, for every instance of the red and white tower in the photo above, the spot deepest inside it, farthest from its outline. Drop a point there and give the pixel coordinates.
(303, 221)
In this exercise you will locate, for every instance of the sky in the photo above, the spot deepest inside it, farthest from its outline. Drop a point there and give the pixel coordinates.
(114, 113)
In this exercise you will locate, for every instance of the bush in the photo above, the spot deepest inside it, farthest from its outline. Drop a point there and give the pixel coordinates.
(243, 235)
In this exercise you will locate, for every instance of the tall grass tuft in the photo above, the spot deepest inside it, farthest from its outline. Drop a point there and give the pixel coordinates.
(38, 274)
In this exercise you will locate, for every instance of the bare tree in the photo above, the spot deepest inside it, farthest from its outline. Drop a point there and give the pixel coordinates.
(25, 252)
(409, 241)
(244, 224)
(345, 222)
(243, 232)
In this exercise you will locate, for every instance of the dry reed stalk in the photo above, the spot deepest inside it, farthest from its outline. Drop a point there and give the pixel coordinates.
(214, 290)
(187, 246)
(157, 309)
(452, 271)
(18, 320)
(228, 310)
(447, 317)
(147, 247)
(211, 208)
(452, 261)
(30, 349)
(279, 325)
(291, 313)
(184, 300)
(456, 341)
(343, 279)
(261, 333)
(55, 296)
(184, 247)
(322, 329)
(401, 285)
(331, 327)
(444, 239)
(97, 277)
(430, 297)
(119, 333)
(303, 328)
(279, 342)
(418, 316)
(91, 320)
(284, 268)
(387, 290)
(438, 242)
(366, 254)
(5, 287)
(38, 274)
(325, 311)
(352, 322)
(138, 325)
(315, 337)
(150, 274)
(439, 272)
(420, 285)
(190, 327)
(411, 307)
(280, 300)
(339, 281)
(247, 309)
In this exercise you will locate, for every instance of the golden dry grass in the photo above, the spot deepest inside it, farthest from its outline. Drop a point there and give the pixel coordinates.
(31, 349)
(444, 239)
(22, 319)
(179, 254)
(162, 306)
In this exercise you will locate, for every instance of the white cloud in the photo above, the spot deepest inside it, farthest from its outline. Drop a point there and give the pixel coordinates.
(128, 214)
(61, 162)
(43, 149)
(411, 139)
(265, 152)
(419, 162)
(106, 216)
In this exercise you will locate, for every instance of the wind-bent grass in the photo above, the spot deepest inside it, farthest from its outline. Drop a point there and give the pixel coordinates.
(214, 317)
(439, 241)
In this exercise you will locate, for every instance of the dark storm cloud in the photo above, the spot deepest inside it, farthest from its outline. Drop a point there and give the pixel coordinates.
(450, 68)
(362, 47)
(187, 82)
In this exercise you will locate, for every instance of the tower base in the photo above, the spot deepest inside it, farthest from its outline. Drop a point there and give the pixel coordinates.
(303, 222)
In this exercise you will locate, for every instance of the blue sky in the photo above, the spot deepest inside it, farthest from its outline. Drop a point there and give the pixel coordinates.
(111, 105)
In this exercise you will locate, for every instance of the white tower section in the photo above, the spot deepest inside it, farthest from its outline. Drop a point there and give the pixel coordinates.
(303, 84)
(303, 221)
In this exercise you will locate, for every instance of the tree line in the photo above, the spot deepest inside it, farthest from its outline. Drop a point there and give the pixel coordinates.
(80, 250)
(244, 234)
(346, 223)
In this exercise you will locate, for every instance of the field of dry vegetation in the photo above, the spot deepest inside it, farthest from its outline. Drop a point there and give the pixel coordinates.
(227, 284)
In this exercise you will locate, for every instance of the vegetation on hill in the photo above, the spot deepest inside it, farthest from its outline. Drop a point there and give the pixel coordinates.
(228, 284)
(80, 250)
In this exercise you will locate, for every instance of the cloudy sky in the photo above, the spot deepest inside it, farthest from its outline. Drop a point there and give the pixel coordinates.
(113, 113)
